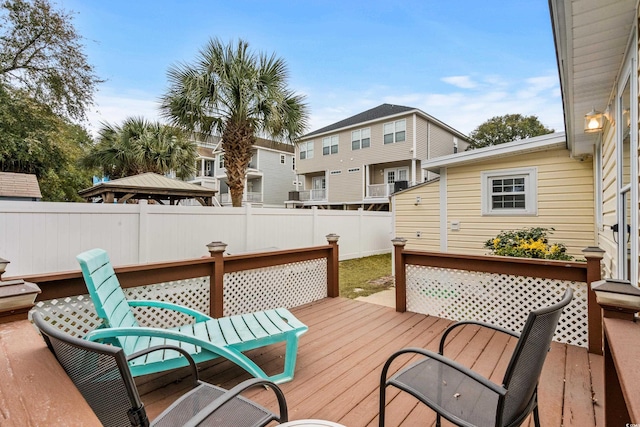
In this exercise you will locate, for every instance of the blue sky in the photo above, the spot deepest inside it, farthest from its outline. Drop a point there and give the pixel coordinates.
(462, 62)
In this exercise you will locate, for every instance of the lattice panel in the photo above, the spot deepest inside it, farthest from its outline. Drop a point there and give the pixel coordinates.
(74, 315)
(499, 299)
(192, 293)
(77, 315)
(288, 285)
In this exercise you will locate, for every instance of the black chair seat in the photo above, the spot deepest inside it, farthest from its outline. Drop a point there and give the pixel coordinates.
(449, 391)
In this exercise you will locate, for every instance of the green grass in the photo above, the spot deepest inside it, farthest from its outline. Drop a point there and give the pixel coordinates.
(358, 277)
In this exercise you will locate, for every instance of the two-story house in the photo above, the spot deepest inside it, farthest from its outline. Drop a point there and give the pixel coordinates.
(360, 161)
(270, 175)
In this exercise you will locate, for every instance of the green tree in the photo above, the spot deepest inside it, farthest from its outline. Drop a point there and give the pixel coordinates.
(507, 128)
(237, 94)
(33, 139)
(41, 53)
(139, 146)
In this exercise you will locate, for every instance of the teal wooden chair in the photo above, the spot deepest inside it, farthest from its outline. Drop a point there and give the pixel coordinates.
(204, 339)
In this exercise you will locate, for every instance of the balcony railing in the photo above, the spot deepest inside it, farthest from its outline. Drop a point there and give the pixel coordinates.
(376, 191)
(379, 190)
(311, 195)
(252, 197)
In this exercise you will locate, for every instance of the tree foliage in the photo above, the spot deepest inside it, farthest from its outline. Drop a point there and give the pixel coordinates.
(41, 53)
(507, 128)
(139, 146)
(237, 94)
(33, 139)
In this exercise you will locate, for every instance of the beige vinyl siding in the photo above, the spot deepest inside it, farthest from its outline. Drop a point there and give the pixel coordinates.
(378, 152)
(425, 217)
(345, 187)
(565, 202)
(609, 197)
(441, 143)
(422, 143)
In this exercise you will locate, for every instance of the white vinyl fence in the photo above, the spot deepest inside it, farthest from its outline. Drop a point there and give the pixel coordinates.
(40, 237)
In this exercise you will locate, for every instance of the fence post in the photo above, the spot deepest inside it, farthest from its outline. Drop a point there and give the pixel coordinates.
(143, 231)
(401, 279)
(594, 255)
(216, 279)
(333, 277)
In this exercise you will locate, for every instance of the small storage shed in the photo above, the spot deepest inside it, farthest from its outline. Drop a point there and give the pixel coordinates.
(19, 186)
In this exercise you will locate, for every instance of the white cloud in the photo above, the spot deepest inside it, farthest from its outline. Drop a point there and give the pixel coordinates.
(114, 108)
(463, 110)
(463, 82)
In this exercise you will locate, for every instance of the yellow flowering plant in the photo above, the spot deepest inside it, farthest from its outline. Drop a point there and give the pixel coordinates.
(527, 243)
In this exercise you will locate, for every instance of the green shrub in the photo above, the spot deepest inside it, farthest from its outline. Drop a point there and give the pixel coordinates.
(527, 243)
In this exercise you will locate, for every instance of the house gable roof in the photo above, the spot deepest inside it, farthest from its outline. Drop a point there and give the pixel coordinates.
(522, 146)
(377, 113)
(19, 185)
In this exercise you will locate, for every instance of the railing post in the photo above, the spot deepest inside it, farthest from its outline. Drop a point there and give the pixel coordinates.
(216, 279)
(594, 255)
(401, 278)
(333, 262)
(17, 297)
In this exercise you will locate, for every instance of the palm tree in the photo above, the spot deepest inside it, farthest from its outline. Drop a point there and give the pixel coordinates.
(237, 94)
(139, 146)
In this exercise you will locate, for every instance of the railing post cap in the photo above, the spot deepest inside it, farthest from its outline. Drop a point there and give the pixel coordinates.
(593, 252)
(332, 237)
(215, 247)
(399, 241)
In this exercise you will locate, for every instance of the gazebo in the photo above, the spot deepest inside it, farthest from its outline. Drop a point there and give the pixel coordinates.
(148, 186)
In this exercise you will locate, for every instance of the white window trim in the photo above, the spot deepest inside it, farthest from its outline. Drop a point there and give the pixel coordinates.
(331, 144)
(395, 131)
(304, 148)
(283, 159)
(360, 138)
(531, 191)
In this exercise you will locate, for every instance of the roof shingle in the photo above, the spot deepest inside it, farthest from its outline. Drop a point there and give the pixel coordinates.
(375, 113)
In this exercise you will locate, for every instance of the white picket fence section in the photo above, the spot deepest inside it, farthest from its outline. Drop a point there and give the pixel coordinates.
(39, 237)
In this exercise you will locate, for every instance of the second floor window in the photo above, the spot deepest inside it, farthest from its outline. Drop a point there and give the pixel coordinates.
(360, 138)
(395, 131)
(306, 150)
(282, 159)
(330, 145)
(221, 161)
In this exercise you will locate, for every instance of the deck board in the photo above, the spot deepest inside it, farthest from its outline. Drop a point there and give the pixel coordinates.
(340, 360)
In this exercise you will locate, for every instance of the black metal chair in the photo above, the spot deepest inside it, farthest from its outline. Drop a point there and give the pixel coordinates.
(468, 399)
(102, 375)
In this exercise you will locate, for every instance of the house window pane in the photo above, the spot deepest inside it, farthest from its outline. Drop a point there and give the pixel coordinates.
(355, 145)
(399, 136)
(366, 142)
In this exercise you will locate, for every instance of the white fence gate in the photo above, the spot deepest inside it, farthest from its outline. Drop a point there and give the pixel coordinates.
(41, 237)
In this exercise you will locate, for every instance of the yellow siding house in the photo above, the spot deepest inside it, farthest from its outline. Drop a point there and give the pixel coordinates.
(527, 183)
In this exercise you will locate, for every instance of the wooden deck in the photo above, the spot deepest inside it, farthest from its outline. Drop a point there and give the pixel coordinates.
(340, 359)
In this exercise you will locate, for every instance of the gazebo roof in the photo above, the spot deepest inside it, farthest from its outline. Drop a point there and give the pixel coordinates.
(149, 186)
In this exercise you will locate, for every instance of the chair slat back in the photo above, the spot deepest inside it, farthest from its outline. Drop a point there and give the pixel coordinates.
(523, 373)
(107, 295)
(99, 371)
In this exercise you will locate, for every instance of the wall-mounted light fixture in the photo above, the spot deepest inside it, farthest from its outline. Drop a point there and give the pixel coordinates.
(593, 121)
(418, 200)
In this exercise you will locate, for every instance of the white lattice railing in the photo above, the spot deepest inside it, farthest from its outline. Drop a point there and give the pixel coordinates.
(500, 299)
(287, 285)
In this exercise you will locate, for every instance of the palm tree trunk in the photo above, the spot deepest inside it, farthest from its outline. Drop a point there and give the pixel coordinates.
(237, 143)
